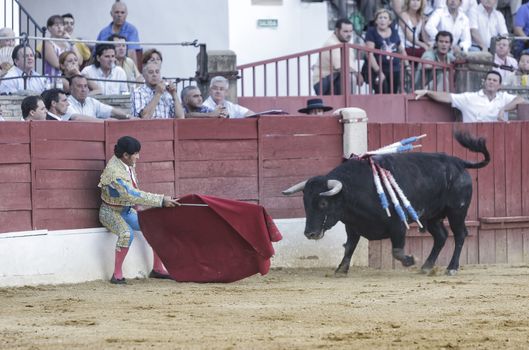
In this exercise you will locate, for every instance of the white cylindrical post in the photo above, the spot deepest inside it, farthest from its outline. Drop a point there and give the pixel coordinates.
(355, 131)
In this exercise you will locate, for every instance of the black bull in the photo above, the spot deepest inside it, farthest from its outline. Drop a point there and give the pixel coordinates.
(437, 185)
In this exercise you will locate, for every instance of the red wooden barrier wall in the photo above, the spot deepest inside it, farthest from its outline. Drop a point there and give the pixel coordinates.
(49, 172)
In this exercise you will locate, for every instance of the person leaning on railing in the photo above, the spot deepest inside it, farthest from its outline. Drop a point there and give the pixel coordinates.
(486, 105)
(439, 53)
(22, 76)
(411, 27)
(327, 72)
(109, 77)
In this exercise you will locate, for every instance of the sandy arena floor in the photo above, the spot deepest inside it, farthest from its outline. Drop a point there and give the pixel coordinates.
(484, 307)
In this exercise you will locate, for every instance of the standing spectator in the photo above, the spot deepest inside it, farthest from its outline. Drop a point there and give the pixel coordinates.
(218, 87)
(411, 27)
(33, 108)
(53, 49)
(56, 103)
(70, 67)
(105, 71)
(152, 55)
(128, 65)
(156, 99)
(486, 23)
(192, 103)
(503, 59)
(439, 53)
(119, 195)
(384, 37)
(24, 69)
(69, 26)
(454, 21)
(81, 105)
(327, 72)
(6, 49)
(486, 105)
(119, 25)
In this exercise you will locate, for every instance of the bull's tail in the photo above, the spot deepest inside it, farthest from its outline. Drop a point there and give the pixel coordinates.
(475, 145)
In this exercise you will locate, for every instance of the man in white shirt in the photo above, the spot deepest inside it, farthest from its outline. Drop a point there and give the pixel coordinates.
(218, 87)
(487, 105)
(24, 69)
(81, 105)
(105, 69)
(486, 23)
(453, 20)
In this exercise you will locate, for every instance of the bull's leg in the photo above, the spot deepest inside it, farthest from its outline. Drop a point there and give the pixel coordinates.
(398, 240)
(350, 246)
(457, 224)
(439, 234)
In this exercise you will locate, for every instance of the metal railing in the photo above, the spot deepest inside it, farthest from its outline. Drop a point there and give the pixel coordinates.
(297, 74)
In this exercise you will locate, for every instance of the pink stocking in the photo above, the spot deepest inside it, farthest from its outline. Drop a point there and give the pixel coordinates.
(118, 263)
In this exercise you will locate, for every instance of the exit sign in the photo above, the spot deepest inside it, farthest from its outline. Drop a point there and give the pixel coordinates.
(267, 23)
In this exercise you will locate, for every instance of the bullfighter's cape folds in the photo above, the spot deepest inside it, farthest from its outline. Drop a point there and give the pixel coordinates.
(224, 241)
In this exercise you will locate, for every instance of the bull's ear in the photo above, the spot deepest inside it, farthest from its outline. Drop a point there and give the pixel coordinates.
(334, 187)
(296, 188)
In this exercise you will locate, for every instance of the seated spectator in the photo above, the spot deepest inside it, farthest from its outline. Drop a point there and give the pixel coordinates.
(521, 76)
(315, 106)
(52, 49)
(70, 67)
(6, 50)
(106, 72)
(33, 108)
(156, 99)
(56, 103)
(24, 60)
(509, 8)
(84, 50)
(521, 28)
(83, 107)
(487, 105)
(193, 107)
(486, 23)
(439, 53)
(453, 20)
(128, 65)
(384, 37)
(218, 88)
(327, 72)
(503, 59)
(119, 25)
(152, 55)
(411, 28)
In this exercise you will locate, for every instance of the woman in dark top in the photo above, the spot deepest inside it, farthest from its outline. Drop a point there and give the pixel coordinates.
(384, 37)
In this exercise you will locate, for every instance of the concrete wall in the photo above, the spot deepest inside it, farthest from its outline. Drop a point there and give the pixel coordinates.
(157, 21)
(75, 256)
(301, 26)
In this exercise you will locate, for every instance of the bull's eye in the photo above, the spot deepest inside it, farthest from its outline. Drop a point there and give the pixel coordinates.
(323, 204)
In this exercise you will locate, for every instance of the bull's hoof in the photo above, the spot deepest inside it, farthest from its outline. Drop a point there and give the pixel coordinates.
(341, 272)
(408, 260)
(451, 272)
(426, 270)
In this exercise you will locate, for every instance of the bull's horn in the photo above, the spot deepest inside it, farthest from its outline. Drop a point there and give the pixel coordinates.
(296, 188)
(334, 186)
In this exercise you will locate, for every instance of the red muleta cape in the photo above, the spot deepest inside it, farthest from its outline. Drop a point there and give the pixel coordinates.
(224, 242)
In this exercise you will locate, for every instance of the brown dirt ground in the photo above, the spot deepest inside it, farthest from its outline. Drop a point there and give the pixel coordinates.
(483, 307)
